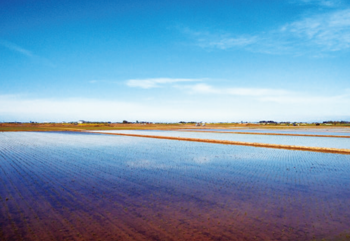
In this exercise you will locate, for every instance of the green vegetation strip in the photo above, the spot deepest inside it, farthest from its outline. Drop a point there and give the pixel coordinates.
(270, 134)
(289, 147)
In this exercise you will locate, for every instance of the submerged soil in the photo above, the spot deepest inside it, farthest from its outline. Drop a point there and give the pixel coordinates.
(81, 186)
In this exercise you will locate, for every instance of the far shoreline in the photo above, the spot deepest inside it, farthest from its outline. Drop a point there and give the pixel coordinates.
(163, 126)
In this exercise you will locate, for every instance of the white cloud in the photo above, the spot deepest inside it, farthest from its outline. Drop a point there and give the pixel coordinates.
(250, 92)
(72, 106)
(313, 34)
(257, 92)
(328, 31)
(223, 107)
(200, 88)
(271, 96)
(300, 98)
(17, 108)
(156, 82)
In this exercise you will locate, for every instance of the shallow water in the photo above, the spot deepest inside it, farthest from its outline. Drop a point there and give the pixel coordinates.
(333, 131)
(90, 186)
(332, 142)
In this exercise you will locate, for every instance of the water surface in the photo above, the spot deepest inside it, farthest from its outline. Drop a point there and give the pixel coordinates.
(74, 186)
(333, 131)
(332, 142)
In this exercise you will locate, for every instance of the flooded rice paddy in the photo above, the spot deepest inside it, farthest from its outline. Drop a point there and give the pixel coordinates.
(333, 131)
(83, 186)
(332, 142)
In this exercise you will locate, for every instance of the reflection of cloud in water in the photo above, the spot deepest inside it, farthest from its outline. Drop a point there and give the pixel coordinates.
(147, 164)
(202, 159)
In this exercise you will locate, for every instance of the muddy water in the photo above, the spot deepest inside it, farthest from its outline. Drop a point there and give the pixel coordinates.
(57, 186)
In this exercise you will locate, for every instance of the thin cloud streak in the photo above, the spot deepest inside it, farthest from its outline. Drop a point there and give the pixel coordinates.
(156, 82)
(16, 48)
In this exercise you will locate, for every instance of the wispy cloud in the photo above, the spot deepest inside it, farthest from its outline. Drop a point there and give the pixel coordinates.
(16, 48)
(156, 82)
(319, 32)
(323, 3)
(225, 41)
(200, 88)
(27, 53)
(328, 31)
(206, 39)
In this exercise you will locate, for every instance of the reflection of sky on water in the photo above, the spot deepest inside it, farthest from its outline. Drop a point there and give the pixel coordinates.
(188, 190)
(333, 131)
(283, 140)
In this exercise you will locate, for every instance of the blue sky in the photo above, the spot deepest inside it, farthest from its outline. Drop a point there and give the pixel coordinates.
(174, 60)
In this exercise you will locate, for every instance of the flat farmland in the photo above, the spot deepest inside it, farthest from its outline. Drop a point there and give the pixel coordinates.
(332, 142)
(86, 186)
(299, 131)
